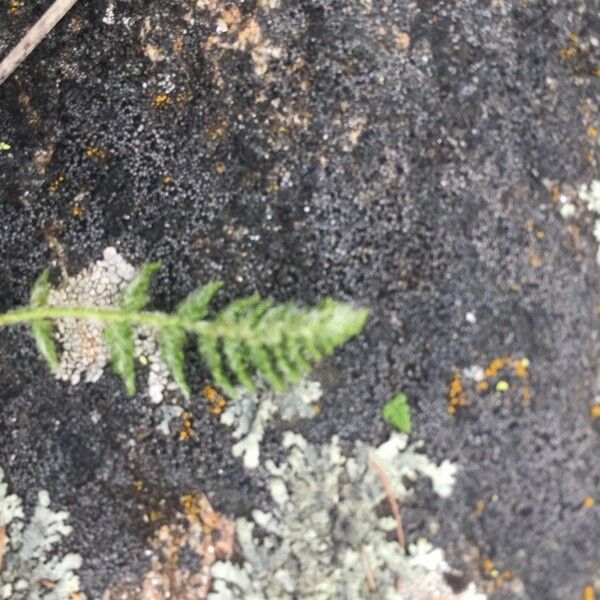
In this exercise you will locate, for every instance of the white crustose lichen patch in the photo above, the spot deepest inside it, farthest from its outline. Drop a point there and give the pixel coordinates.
(84, 355)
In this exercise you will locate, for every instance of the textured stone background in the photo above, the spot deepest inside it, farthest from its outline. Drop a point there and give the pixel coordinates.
(388, 153)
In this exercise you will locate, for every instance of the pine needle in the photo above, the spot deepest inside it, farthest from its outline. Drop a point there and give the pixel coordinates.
(34, 36)
(387, 486)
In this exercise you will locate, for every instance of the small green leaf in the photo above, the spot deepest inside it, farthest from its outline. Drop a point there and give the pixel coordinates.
(121, 347)
(44, 339)
(137, 295)
(4, 147)
(397, 413)
(171, 341)
(195, 306)
(40, 290)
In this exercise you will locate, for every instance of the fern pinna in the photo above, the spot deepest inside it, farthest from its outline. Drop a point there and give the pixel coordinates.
(252, 336)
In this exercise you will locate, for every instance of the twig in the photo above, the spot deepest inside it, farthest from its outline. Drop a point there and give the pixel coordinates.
(367, 569)
(387, 486)
(34, 36)
(2, 544)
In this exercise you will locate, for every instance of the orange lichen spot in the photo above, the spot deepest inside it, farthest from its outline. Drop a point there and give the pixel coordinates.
(198, 510)
(555, 194)
(496, 366)
(216, 401)
(535, 260)
(589, 502)
(155, 515)
(595, 411)
(588, 593)
(526, 393)
(167, 180)
(506, 575)
(480, 506)
(219, 167)
(138, 485)
(539, 234)
(77, 210)
(573, 37)
(483, 386)
(592, 132)
(487, 566)
(521, 368)
(568, 53)
(57, 184)
(457, 396)
(187, 430)
(93, 152)
(161, 100)
(217, 130)
(14, 7)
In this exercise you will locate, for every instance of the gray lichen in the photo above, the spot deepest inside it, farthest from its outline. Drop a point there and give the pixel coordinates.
(30, 569)
(324, 539)
(250, 414)
(591, 195)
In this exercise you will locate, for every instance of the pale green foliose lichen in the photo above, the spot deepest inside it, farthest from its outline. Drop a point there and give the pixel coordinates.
(324, 539)
(30, 568)
(251, 412)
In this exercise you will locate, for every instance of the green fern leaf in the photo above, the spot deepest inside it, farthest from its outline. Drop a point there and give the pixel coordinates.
(280, 342)
(208, 347)
(171, 342)
(196, 305)
(44, 340)
(121, 347)
(42, 331)
(40, 290)
(137, 295)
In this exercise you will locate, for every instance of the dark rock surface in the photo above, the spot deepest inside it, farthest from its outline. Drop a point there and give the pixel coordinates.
(389, 153)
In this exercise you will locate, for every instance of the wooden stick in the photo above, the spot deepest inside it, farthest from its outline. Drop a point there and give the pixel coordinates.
(2, 544)
(34, 36)
(367, 569)
(387, 486)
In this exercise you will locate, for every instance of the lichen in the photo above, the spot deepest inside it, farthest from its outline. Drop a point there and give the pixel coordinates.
(182, 553)
(250, 414)
(30, 568)
(325, 539)
(591, 195)
(84, 355)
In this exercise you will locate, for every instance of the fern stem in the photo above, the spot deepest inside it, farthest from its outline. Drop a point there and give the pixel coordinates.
(272, 334)
(154, 320)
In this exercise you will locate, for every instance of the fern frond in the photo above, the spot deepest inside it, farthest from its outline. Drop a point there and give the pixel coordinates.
(137, 295)
(196, 305)
(251, 336)
(171, 342)
(121, 349)
(42, 331)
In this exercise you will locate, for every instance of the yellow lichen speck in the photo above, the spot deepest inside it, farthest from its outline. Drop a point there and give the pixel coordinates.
(589, 502)
(589, 593)
(216, 401)
(457, 397)
(187, 430)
